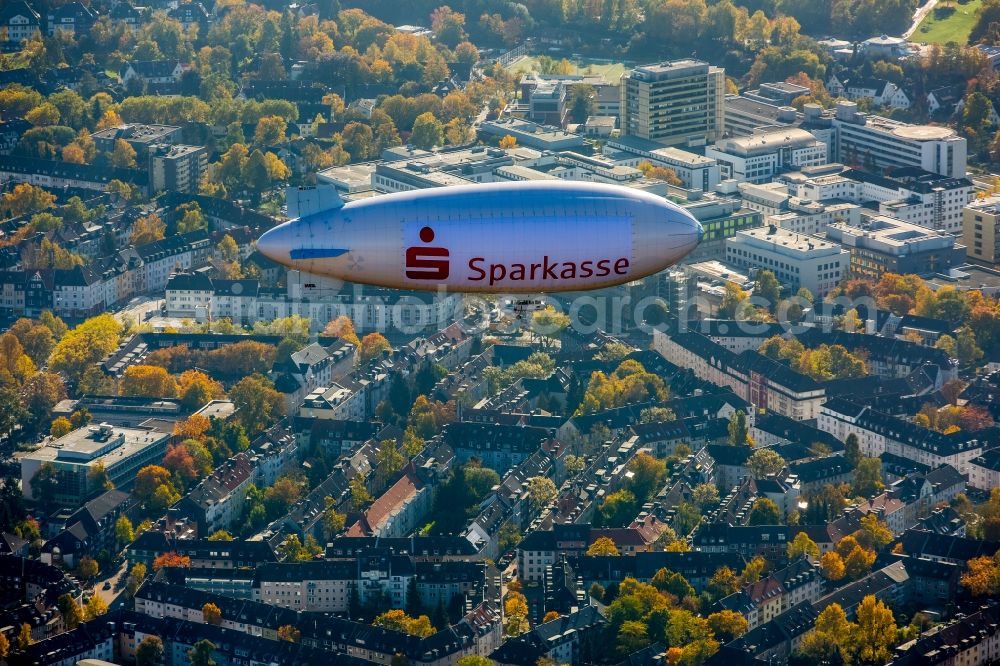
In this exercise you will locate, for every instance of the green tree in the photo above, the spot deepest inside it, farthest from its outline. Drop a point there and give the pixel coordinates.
(764, 463)
(852, 450)
(427, 131)
(768, 288)
(764, 512)
(739, 433)
(149, 651)
(201, 653)
(867, 478)
(259, 405)
(966, 347)
(70, 609)
(801, 546)
(124, 532)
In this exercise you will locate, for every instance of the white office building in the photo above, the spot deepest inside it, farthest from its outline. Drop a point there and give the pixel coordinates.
(796, 260)
(696, 172)
(878, 143)
(757, 158)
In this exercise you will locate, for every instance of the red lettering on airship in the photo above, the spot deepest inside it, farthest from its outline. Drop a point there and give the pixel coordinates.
(427, 263)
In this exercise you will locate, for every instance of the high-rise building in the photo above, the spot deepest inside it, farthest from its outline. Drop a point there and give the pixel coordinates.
(680, 102)
(177, 168)
(981, 230)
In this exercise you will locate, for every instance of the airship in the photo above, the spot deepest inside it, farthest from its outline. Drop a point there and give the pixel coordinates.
(510, 238)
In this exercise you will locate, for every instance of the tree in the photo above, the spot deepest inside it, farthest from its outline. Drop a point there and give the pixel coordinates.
(852, 450)
(831, 635)
(124, 532)
(171, 559)
(764, 512)
(966, 348)
(541, 491)
(982, 576)
(270, 131)
(705, 496)
(764, 463)
(60, 427)
(259, 404)
(427, 131)
(95, 607)
(86, 568)
(191, 218)
(85, 345)
(70, 609)
(211, 614)
(123, 155)
(360, 497)
(516, 611)
(802, 546)
(875, 632)
(288, 632)
(149, 381)
(43, 115)
(727, 625)
(858, 562)
(196, 389)
(388, 461)
(874, 534)
(282, 494)
(868, 477)
(342, 327)
(549, 323)
(149, 651)
(398, 620)
(148, 480)
(508, 142)
(26, 199)
(45, 484)
(24, 639)
(768, 288)
(201, 652)
(135, 578)
(474, 660)
(603, 546)
(739, 433)
(373, 345)
(147, 230)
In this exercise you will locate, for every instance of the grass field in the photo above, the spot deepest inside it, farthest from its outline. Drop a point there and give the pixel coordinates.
(953, 28)
(611, 71)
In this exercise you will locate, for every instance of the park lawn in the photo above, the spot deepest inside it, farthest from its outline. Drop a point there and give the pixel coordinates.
(611, 71)
(954, 28)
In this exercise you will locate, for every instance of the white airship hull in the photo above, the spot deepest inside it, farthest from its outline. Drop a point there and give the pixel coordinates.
(537, 237)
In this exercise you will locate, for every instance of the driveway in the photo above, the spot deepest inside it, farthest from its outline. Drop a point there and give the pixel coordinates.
(918, 16)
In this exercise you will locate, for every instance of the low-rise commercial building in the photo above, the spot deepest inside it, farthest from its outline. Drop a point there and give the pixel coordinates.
(981, 230)
(797, 261)
(121, 451)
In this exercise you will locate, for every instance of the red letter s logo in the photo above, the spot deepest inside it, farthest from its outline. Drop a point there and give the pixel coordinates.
(427, 263)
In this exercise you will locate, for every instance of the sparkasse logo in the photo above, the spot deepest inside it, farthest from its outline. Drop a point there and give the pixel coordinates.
(427, 262)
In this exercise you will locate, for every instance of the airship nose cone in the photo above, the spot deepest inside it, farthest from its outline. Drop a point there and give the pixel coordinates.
(276, 244)
(701, 231)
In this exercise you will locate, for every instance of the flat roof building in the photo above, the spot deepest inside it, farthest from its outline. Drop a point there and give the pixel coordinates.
(879, 143)
(796, 260)
(531, 135)
(679, 102)
(758, 157)
(881, 244)
(981, 230)
(695, 171)
(122, 452)
(176, 168)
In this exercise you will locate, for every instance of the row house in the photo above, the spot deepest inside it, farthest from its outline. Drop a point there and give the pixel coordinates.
(879, 433)
(399, 510)
(760, 602)
(479, 632)
(765, 383)
(216, 503)
(968, 639)
(984, 471)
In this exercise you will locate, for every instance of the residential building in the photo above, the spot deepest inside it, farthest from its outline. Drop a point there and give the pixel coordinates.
(981, 230)
(217, 501)
(879, 91)
(122, 452)
(20, 22)
(971, 639)
(984, 471)
(765, 383)
(759, 157)
(572, 638)
(399, 510)
(140, 137)
(74, 18)
(89, 530)
(204, 554)
(176, 167)
(680, 102)
(881, 244)
(334, 402)
(797, 261)
(885, 143)
(151, 71)
(880, 433)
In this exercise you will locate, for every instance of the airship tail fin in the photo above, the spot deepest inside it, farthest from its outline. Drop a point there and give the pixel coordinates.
(302, 201)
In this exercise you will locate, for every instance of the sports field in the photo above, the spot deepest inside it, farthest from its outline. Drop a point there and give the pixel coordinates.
(611, 71)
(953, 27)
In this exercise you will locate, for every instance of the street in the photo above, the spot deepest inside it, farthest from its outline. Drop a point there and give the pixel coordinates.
(117, 580)
(137, 309)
